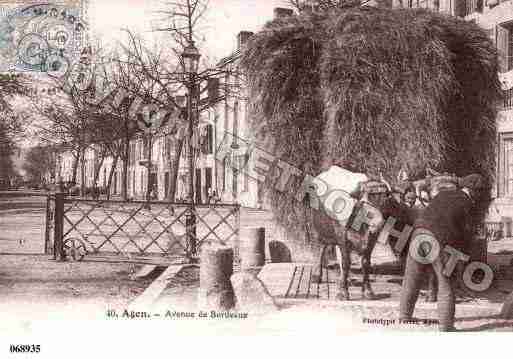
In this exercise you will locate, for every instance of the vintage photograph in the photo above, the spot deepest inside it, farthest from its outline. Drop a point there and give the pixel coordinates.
(257, 166)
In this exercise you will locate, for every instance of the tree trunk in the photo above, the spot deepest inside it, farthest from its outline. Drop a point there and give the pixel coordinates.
(111, 174)
(174, 165)
(126, 156)
(75, 168)
(82, 174)
(98, 168)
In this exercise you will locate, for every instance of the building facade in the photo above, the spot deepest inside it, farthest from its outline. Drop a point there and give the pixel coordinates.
(496, 18)
(228, 118)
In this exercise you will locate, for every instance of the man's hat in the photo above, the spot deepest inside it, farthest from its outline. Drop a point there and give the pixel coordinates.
(444, 182)
(473, 182)
(374, 187)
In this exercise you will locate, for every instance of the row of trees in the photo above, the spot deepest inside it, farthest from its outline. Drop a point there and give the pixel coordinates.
(113, 95)
(11, 128)
(100, 102)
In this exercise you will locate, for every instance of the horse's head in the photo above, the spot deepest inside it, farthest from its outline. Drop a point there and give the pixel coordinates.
(374, 192)
(374, 195)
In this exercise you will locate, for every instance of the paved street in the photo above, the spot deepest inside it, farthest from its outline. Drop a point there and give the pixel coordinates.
(22, 224)
(22, 231)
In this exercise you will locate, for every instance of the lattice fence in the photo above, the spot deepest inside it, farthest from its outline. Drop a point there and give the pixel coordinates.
(138, 229)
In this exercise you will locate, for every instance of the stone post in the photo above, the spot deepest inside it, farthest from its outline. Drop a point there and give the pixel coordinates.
(58, 249)
(252, 248)
(216, 268)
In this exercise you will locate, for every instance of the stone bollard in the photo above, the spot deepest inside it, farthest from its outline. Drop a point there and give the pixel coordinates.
(252, 249)
(216, 268)
(251, 294)
(507, 307)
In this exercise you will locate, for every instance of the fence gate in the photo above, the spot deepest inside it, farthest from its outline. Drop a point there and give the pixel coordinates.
(159, 233)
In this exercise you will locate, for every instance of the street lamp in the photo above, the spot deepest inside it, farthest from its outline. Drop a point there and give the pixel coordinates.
(191, 57)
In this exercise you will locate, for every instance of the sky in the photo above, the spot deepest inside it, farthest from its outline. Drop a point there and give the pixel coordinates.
(223, 20)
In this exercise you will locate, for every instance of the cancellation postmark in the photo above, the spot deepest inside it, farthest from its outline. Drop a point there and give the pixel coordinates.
(41, 37)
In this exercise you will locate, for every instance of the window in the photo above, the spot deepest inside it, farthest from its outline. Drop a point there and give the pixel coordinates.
(236, 120)
(208, 181)
(243, 170)
(166, 185)
(508, 99)
(234, 166)
(223, 173)
(246, 180)
(472, 6)
(210, 139)
(505, 165)
(166, 153)
(115, 183)
(132, 153)
(505, 46)
(198, 197)
(207, 140)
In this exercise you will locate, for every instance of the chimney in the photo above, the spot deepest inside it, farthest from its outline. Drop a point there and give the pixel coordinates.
(242, 38)
(281, 12)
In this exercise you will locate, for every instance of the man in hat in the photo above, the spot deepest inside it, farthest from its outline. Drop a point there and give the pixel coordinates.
(448, 219)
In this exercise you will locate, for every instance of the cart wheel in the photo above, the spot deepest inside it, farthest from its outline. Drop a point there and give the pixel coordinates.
(75, 249)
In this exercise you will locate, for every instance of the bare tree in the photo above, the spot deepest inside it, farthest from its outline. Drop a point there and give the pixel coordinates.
(11, 85)
(163, 73)
(64, 124)
(40, 164)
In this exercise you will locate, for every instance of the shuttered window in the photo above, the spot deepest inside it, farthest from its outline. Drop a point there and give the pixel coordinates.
(210, 139)
(506, 165)
(505, 47)
(472, 6)
(491, 34)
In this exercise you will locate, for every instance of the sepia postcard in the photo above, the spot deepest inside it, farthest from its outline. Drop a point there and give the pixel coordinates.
(171, 170)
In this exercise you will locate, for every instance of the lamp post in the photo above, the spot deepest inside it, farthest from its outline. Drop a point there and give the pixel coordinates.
(149, 185)
(191, 58)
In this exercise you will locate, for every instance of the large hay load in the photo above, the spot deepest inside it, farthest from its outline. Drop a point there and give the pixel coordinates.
(377, 88)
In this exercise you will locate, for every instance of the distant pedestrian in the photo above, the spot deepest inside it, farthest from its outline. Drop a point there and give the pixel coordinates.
(209, 195)
(215, 197)
(154, 193)
(95, 192)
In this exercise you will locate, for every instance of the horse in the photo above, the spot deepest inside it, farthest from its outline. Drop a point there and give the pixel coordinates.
(375, 197)
(347, 240)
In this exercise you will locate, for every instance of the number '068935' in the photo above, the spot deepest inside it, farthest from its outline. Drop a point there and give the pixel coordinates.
(28, 348)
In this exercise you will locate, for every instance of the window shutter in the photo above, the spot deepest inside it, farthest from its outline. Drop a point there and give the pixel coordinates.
(502, 47)
(491, 34)
(210, 139)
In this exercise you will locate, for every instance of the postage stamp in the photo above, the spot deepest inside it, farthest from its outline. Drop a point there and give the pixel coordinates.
(40, 37)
